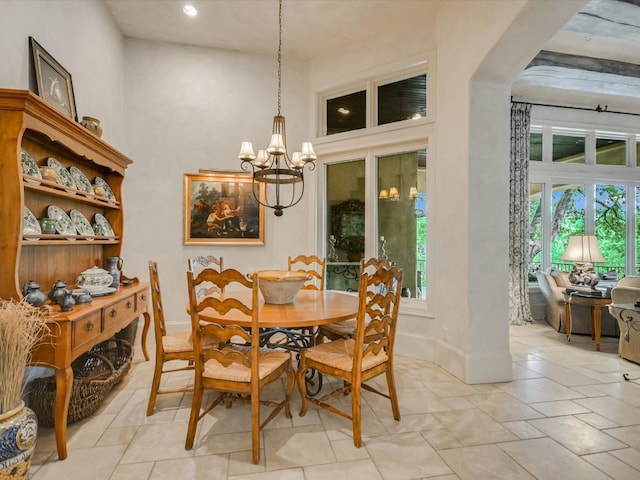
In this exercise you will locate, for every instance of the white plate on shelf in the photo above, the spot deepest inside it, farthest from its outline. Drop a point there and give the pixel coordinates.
(82, 182)
(108, 193)
(29, 167)
(103, 227)
(82, 224)
(30, 224)
(65, 177)
(64, 225)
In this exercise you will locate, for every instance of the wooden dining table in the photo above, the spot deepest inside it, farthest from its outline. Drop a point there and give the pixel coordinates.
(310, 308)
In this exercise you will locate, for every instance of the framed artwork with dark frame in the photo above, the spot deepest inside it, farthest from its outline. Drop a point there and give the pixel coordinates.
(52, 81)
(220, 208)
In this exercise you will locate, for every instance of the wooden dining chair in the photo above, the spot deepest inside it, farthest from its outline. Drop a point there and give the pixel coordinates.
(347, 328)
(196, 264)
(169, 346)
(236, 367)
(314, 266)
(365, 356)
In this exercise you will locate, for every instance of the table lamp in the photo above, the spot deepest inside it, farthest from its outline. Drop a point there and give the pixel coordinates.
(584, 251)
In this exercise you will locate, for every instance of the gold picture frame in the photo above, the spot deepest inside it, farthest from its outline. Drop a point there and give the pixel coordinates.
(53, 83)
(220, 208)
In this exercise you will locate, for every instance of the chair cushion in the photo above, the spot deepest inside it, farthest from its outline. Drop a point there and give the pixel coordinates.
(343, 329)
(561, 277)
(270, 359)
(177, 342)
(339, 354)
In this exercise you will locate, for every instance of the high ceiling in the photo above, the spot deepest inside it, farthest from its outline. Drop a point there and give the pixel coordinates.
(594, 58)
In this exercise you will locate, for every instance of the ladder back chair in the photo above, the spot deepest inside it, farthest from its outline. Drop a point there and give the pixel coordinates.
(314, 266)
(196, 264)
(365, 356)
(169, 346)
(347, 328)
(236, 367)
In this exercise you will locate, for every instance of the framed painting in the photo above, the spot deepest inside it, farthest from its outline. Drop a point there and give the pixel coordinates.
(52, 81)
(221, 208)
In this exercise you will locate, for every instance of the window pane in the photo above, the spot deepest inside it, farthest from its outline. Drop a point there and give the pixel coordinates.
(402, 221)
(568, 149)
(535, 229)
(610, 210)
(535, 147)
(347, 113)
(345, 224)
(567, 218)
(610, 151)
(402, 100)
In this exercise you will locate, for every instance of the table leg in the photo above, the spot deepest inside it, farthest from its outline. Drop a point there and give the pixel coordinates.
(64, 382)
(596, 315)
(145, 332)
(567, 320)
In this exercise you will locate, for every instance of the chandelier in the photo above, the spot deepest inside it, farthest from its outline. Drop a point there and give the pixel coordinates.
(273, 165)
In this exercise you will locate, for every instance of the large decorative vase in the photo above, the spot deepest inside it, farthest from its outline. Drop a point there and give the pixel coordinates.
(18, 432)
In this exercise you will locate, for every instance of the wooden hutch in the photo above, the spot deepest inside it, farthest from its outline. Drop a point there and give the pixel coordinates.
(28, 122)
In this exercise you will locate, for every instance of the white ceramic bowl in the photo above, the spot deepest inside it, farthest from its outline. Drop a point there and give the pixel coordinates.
(280, 286)
(94, 279)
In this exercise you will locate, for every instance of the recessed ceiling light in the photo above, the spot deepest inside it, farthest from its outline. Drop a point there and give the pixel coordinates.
(344, 111)
(190, 10)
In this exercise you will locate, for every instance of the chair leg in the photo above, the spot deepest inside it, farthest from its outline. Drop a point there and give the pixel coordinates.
(302, 386)
(155, 385)
(291, 383)
(391, 384)
(196, 403)
(255, 427)
(356, 413)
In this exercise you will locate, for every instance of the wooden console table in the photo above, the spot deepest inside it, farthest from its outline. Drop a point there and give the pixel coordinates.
(76, 332)
(596, 303)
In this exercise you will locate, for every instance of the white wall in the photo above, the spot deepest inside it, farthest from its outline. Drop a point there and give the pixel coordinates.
(189, 108)
(83, 38)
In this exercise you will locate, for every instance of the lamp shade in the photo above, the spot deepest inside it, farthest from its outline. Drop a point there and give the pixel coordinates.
(583, 249)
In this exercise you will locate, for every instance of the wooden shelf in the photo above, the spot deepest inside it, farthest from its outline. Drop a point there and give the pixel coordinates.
(56, 189)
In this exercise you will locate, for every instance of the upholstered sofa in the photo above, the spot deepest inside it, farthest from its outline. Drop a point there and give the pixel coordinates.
(627, 291)
(552, 284)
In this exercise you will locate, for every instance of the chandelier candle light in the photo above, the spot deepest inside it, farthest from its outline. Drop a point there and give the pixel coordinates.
(273, 165)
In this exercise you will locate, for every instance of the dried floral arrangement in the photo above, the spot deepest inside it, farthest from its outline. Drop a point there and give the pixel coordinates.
(22, 326)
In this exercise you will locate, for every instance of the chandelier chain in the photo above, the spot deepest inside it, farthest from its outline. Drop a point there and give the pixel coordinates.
(279, 53)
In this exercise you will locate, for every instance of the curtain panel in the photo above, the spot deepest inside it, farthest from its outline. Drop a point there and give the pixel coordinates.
(519, 308)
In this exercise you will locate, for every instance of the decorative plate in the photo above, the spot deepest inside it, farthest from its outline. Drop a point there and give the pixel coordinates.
(82, 182)
(64, 225)
(101, 292)
(103, 227)
(65, 177)
(82, 224)
(29, 167)
(30, 224)
(108, 193)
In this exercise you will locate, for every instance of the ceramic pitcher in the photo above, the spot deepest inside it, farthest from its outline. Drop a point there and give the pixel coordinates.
(114, 267)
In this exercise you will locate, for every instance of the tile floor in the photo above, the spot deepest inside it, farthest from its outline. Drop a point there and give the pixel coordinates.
(568, 413)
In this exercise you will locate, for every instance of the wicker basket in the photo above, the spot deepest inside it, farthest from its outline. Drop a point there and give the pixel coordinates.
(94, 374)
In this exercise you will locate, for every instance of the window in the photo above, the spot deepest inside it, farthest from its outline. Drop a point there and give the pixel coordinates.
(346, 113)
(610, 151)
(402, 100)
(374, 183)
(568, 148)
(592, 199)
(398, 98)
(401, 216)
